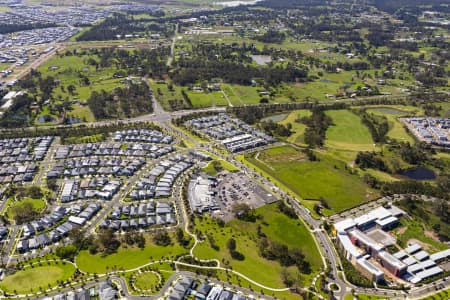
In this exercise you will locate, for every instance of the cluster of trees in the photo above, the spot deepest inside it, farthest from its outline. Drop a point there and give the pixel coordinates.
(413, 154)
(231, 246)
(18, 115)
(24, 213)
(6, 28)
(66, 252)
(124, 24)
(276, 129)
(272, 36)
(287, 210)
(105, 243)
(370, 160)
(190, 71)
(317, 125)
(181, 238)
(273, 250)
(244, 212)
(378, 125)
(162, 238)
(130, 101)
(134, 238)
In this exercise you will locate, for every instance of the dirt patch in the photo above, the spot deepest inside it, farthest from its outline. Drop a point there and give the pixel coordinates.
(402, 230)
(432, 235)
(299, 156)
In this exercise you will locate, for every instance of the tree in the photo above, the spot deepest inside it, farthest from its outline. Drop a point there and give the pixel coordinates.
(231, 244)
(66, 252)
(162, 238)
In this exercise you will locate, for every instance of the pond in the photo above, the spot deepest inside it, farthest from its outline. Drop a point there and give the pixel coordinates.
(419, 173)
(389, 111)
(261, 59)
(275, 118)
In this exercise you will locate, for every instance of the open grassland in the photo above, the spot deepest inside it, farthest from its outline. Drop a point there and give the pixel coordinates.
(68, 69)
(126, 258)
(311, 180)
(276, 226)
(348, 132)
(418, 231)
(397, 130)
(32, 278)
(298, 129)
(210, 169)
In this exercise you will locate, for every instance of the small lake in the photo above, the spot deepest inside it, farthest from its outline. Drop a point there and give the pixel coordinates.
(236, 3)
(275, 118)
(389, 111)
(261, 59)
(419, 173)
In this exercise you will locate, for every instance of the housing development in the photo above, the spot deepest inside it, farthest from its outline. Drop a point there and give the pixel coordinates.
(224, 150)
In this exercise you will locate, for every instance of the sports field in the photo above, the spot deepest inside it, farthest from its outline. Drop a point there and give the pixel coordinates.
(327, 178)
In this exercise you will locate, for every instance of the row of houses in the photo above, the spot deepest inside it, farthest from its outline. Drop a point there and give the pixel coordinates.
(48, 221)
(56, 234)
(235, 135)
(432, 130)
(159, 181)
(101, 187)
(141, 216)
(24, 149)
(186, 288)
(103, 291)
(112, 149)
(96, 166)
(142, 135)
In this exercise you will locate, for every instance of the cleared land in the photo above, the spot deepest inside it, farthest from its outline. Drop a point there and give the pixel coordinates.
(348, 132)
(327, 178)
(298, 129)
(31, 278)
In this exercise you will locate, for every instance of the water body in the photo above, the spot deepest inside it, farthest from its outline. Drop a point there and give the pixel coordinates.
(261, 59)
(237, 3)
(419, 173)
(275, 118)
(389, 111)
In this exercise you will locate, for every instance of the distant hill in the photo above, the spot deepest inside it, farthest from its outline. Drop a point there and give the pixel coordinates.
(393, 5)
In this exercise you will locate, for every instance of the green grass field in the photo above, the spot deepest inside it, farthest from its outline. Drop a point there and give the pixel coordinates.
(126, 258)
(348, 132)
(443, 295)
(210, 170)
(298, 129)
(415, 229)
(33, 278)
(38, 204)
(326, 178)
(274, 224)
(146, 281)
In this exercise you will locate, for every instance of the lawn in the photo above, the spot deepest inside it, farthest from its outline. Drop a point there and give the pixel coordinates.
(443, 295)
(211, 170)
(276, 226)
(38, 205)
(298, 129)
(348, 132)
(146, 281)
(397, 130)
(311, 180)
(126, 258)
(31, 278)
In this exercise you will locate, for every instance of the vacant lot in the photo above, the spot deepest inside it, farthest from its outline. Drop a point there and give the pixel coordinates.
(327, 178)
(348, 132)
